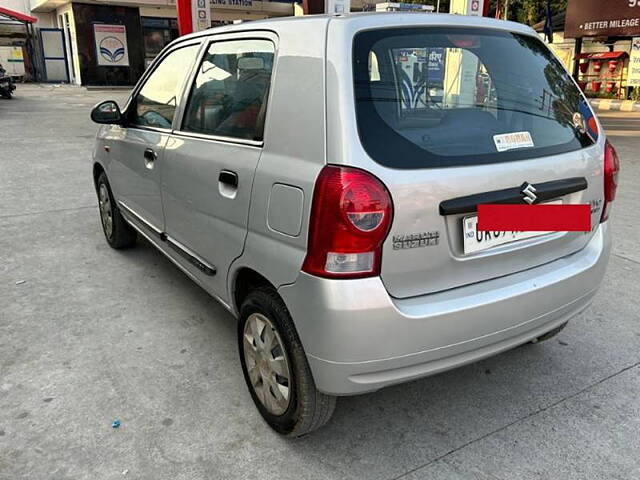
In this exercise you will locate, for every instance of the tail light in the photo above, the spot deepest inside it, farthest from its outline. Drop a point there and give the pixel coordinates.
(611, 170)
(350, 219)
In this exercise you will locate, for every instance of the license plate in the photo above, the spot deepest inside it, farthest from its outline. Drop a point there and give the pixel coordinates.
(476, 241)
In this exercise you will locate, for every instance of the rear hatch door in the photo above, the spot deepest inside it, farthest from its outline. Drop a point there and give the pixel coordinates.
(456, 117)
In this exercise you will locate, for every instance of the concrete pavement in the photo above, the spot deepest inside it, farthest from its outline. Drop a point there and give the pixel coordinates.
(89, 335)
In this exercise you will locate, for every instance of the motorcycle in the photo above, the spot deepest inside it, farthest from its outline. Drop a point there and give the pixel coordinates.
(6, 84)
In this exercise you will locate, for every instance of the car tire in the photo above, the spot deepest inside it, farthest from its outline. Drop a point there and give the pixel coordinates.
(551, 334)
(7, 95)
(275, 366)
(117, 231)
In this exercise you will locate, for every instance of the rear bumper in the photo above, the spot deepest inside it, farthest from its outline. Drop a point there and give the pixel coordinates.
(359, 339)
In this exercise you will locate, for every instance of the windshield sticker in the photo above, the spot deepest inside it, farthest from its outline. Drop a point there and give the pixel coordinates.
(579, 123)
(590, 121)
(511, 141)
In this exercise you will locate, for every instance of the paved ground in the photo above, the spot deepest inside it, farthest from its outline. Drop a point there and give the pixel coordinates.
(94, 335)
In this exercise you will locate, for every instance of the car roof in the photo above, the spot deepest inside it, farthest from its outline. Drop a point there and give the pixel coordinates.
(362, 20)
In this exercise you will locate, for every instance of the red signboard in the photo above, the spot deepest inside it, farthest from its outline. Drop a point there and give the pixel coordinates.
(602, 18)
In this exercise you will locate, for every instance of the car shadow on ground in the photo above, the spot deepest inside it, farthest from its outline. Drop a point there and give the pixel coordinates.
(388, 430)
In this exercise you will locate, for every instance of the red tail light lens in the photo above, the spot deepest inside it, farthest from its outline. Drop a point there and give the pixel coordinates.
(350, 219)
(611, 170)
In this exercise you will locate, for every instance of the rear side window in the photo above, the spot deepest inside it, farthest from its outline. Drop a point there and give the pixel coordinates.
(229, 96)
(435, 97)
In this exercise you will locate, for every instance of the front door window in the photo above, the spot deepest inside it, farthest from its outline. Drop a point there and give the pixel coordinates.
(156, 102)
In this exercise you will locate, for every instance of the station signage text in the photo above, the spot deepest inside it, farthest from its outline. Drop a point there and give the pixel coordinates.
(596, 18)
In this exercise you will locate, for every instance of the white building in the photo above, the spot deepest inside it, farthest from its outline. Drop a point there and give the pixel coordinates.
(67, 33)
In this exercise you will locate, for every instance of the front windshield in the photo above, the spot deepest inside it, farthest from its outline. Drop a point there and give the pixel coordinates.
(444, 97)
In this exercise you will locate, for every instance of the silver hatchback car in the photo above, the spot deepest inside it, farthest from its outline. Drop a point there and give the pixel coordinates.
(321, 177)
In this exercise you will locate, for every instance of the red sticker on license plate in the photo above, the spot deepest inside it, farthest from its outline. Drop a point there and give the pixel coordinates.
(534, 218)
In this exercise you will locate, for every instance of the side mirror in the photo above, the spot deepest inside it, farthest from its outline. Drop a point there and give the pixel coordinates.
(107, 112)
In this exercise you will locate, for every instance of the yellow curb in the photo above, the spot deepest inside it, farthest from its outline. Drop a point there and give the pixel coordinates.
(623, 133)
(605, 104)
(627, 106)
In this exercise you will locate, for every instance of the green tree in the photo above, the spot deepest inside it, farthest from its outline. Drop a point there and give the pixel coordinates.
(528, 11)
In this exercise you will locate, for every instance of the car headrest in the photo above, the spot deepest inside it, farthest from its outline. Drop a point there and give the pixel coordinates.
(250, 63)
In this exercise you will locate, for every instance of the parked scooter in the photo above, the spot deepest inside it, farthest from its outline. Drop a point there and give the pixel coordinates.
(6, 84)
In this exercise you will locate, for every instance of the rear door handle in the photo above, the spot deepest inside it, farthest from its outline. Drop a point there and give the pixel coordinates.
(150, 157)
(228, 184)
(229, 178)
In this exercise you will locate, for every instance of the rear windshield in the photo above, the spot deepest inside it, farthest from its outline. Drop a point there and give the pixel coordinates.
(433, 97)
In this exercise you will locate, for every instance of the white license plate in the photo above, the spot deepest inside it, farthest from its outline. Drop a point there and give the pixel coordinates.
(476, 241)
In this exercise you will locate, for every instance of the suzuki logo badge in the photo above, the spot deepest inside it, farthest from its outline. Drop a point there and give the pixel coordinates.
(529, 193)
